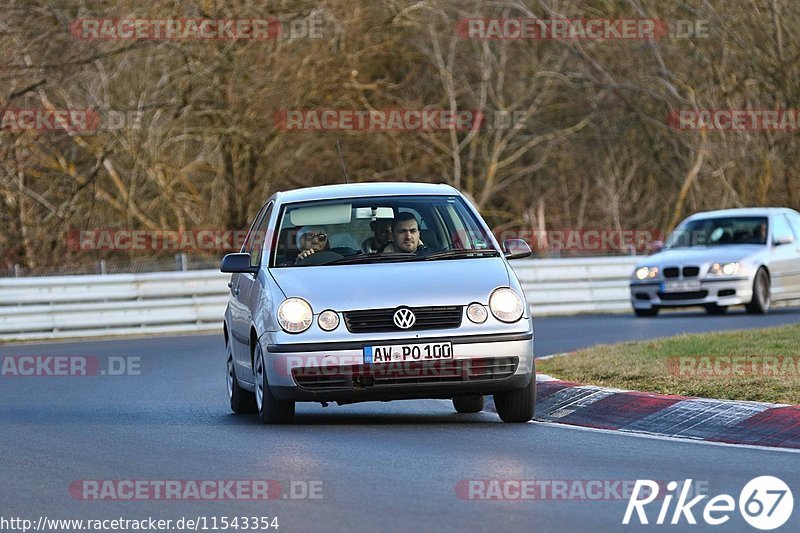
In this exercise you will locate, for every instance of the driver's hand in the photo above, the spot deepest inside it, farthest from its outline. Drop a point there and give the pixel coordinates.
(302, 255)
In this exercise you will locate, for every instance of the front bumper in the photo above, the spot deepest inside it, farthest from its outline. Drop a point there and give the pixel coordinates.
(480, 365)
(722, 292)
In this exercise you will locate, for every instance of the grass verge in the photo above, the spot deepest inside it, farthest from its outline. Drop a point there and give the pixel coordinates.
(759, 365)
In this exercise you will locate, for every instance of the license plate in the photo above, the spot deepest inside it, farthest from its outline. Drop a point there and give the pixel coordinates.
(400, 353)
(682, 286)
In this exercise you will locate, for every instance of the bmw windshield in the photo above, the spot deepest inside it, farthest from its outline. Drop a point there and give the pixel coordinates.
(719, 231)
(379, 230)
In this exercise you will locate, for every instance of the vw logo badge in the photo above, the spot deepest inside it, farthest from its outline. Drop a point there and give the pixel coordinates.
(404, 318)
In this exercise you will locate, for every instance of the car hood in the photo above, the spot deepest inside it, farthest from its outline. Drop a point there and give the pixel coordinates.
(702, 254)
(385, 285)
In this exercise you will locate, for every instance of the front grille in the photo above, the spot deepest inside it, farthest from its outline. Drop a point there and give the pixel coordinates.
(692, 295)
(351, 377)
(691, 272)
(381, 320)
(671, 272)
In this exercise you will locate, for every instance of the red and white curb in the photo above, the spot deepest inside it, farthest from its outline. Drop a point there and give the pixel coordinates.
(733, 422)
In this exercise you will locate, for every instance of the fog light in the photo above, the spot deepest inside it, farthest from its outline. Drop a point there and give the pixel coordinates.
(477, 313)
(328, 320)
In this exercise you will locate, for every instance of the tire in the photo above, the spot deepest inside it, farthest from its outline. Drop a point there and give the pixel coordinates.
(653, 311)
(270, 410)
(243, 402)
(472, 403)
(518, 405)
(714, 309)
(761, 301)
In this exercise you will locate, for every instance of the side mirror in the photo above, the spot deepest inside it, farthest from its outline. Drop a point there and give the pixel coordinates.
(656, 246)
(237, 264)
(516, 249)
(786, 239)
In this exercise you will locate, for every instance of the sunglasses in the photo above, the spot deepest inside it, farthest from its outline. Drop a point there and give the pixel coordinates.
(320, 236)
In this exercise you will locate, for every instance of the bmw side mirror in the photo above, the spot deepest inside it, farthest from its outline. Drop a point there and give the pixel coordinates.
(783, 240)
(516, 249)
(656, 246)
(237, 264)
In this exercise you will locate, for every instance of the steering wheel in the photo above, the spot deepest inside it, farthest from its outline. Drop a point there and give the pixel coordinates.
(319, 258)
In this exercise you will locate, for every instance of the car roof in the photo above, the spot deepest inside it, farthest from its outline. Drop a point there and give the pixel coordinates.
(742, 212)
(351, 190)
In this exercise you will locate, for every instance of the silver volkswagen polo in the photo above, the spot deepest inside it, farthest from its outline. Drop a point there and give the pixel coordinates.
(722, 258)
(376, 291)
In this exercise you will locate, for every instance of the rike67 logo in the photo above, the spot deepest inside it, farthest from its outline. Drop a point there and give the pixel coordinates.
(765, 502)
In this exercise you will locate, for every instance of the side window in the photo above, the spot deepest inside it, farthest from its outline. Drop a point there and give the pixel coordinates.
(781, 229)
(794, 220)
(259, 236)
(248, 241)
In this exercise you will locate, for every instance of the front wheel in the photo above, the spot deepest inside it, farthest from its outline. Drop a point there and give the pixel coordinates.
(517, 405)
(270, 410)
(471, 403)
(759, 305)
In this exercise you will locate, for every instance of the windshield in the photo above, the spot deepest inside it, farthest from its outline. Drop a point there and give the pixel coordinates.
(719, 231)
(379, 230)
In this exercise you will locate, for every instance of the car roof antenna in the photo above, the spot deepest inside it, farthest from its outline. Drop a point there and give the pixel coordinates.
(341, 158)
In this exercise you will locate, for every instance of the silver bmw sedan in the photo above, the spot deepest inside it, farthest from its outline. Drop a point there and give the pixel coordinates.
(376, 291)
(722, 258)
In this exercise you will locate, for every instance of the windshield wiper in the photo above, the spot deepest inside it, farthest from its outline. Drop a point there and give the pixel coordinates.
(371, 257)
(458, 254)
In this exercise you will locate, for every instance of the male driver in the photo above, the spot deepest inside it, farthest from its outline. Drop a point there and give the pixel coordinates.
(310, 239)
(382, 228)
(405, 235)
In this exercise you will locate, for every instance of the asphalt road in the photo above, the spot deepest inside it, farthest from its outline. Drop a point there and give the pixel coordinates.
(378, 466)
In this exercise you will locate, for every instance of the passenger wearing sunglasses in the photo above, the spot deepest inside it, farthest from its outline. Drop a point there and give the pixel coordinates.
(310, 239)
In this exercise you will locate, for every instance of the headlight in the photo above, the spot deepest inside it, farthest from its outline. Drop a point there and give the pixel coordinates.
(477, 313)
(506, 305)
(328, 320)
(725, 269)
(646, 272)
(294, 315)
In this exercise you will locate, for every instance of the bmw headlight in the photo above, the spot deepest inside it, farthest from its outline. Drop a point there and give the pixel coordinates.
(725, 269)
(506, 305)
(646, 273)
(294, 315)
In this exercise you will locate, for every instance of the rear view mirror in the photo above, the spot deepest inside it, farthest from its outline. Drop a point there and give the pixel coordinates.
(237, 264)
(785, 239)
(516, 249)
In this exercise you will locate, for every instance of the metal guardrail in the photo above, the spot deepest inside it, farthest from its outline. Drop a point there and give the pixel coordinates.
(65, 307)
